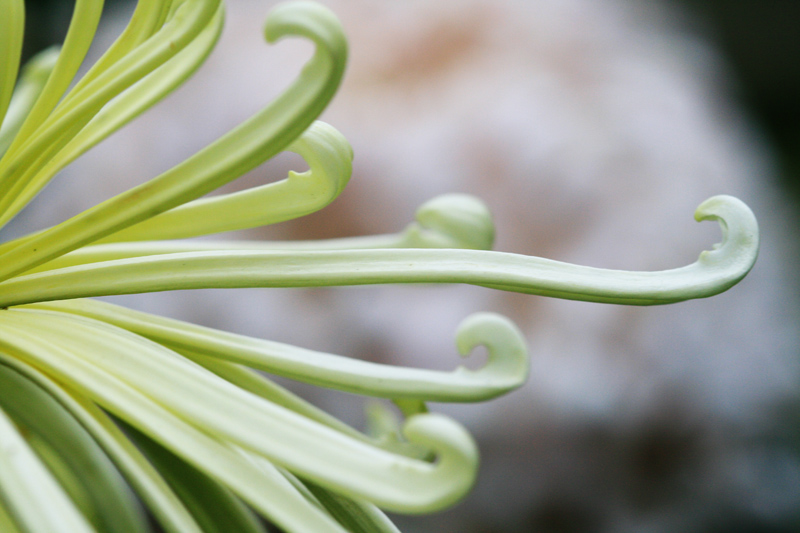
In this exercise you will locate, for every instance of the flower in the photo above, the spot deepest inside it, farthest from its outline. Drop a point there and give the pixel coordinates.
(98, 402)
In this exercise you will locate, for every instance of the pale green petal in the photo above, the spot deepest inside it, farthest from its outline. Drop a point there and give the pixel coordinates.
(451, 221)
(715, 271)
(32, 496)
(447, 221)
(83, 465)
(141, 475)
(148, 17)
(329, 157)
(12, 27)
(125, 107)
(140, 369)
(256, 140)
(506, 367)
(66, 120)
(251, 381)
(265, 490)
(31, 83)
(83, 25)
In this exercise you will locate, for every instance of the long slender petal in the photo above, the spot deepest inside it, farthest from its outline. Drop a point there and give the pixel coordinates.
(143, 369)
(148, 17)
(329, 157)
(506, 367)
(446, 221)
(714, 271)
(265, 490)
(109, 501)
(35, 499)
(83, 25)
(12, 26)
(154, 491)
(31, 83)
(122, 109)
(68, 118)
(256, 140)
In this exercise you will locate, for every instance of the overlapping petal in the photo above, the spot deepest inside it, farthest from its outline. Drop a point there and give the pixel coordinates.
(97, 401)
(261, 137)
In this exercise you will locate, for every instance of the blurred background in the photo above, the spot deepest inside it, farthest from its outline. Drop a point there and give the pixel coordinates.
(592, 129)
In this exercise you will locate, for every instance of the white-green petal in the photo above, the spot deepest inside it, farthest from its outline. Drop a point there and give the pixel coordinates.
(329, 157)
(12, 27)
(256, 140)
(126, 106)
(29, 491)
(714, 271)
(244, 378)
(506, 367)
(154, 491)
(446, 221)
(64, 443)
(266, 491)
(142, 369)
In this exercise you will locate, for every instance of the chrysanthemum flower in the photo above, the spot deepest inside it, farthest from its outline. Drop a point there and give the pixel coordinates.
(105, 411)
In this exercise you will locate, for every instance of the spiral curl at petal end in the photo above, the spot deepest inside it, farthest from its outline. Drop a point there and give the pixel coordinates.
(738, 250)
(456, 460)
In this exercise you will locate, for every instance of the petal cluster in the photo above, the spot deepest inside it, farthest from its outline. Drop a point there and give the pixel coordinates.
(105, 412)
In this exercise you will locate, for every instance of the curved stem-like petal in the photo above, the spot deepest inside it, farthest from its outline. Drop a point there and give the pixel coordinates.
(36, 501)
(83, 25)
(505, 369)
(66, 120)
(121, 110)
(256, 140)
(31, 83)
(715, 270)
(142, 476)
(254, 382)
(111, 507)
(447, 221)
(265, 490)
(12, 27)
(143, 375)
(329, 157)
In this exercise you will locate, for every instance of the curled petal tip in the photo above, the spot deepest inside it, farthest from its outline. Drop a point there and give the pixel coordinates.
(454, 221)
(308, 19)
(328, 155)
(507, 363)
(456, 463)
(739, 247)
